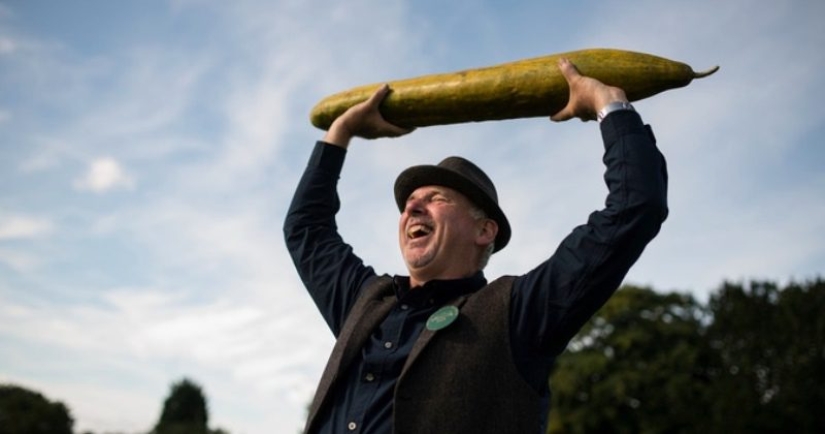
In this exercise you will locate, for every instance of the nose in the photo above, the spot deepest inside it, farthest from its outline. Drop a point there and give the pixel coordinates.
(414, 206)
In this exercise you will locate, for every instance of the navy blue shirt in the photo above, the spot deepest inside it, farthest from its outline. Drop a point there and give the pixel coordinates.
(549, 304)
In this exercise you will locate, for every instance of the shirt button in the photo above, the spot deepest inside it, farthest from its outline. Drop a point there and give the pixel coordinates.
(351, 426)
(405, 306)
(369, 377)
(388, 345)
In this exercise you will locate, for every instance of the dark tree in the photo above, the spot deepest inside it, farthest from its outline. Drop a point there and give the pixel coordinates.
(631, 368)
(24, 411)
(184, 411)
(752, 360)
(765, 358)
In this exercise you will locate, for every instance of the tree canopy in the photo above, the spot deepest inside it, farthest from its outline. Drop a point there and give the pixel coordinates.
(24, 411)
(184, 410)
(751, 360)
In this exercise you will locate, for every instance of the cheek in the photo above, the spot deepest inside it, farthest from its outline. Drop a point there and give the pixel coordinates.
(400, 231)
(458, 225)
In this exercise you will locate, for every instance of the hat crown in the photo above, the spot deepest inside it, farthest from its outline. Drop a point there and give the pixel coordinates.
(467, 169)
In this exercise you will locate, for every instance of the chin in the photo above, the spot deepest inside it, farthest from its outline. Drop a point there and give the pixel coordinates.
(417, 262)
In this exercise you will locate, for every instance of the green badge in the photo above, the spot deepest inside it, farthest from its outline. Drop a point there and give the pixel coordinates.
(442, 318)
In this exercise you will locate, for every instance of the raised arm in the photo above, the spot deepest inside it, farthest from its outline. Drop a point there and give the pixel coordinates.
(329, 269)
(553, 301)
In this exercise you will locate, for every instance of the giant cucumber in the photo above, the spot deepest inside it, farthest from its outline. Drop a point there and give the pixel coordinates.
(525, 88)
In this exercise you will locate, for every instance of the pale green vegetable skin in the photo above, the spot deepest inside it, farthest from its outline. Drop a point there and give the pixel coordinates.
(521, 89)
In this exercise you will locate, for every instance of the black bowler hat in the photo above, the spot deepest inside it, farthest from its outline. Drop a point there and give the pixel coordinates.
(463, 176)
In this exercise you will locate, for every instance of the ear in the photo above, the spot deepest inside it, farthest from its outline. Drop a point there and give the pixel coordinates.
(487, 230)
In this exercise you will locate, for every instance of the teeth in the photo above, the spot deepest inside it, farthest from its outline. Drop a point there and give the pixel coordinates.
(418, 230)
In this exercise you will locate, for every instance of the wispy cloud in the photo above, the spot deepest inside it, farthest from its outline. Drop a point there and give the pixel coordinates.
(159, 334)
(19, 228)
(22, 227)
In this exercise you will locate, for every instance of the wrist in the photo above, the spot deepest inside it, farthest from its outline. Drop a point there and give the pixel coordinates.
(611, 107)
(338, 134)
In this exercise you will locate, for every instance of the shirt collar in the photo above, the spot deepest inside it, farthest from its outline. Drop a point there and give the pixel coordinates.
(437, 291)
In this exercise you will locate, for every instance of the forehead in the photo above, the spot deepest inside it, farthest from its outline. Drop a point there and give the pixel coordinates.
(428, 190)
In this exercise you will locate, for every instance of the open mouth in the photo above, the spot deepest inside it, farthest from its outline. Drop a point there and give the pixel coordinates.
(418, 231)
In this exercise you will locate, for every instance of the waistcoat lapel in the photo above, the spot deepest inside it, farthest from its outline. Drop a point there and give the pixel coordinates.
(426, 336)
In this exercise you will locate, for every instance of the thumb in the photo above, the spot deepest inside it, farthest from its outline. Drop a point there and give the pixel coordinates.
(378, 96)
(570, 73)
(568, 69)
(564, 114)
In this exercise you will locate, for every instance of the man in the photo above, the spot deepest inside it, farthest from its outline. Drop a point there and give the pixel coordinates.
(442, 350)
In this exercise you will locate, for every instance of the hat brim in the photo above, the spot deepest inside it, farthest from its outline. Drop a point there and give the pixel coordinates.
(420, 176)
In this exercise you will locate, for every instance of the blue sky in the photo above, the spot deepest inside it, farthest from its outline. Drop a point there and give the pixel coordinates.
(148, 152)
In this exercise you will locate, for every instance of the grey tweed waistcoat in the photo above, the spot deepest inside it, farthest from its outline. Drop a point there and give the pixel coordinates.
(460, 379)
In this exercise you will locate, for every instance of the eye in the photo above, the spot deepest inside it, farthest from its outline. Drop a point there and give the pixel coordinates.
(439, 198)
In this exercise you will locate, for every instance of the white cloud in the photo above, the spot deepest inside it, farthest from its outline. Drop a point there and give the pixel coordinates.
(104, 174)
(22, 227)
(154, 335)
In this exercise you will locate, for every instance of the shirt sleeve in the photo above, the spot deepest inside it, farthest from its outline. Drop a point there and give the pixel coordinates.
(554, 300)
(329, 269)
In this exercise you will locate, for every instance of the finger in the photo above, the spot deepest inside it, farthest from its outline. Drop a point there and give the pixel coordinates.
(392, 130)
(568, 69)
(379, 95)
(563, 115)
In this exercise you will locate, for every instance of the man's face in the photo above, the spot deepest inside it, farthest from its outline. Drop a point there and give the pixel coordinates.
(439, 236)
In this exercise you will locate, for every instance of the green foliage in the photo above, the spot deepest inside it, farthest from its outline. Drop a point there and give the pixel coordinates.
(752, 360)
(766, 358)
(24, 411)
(630, 369)
(184, 411)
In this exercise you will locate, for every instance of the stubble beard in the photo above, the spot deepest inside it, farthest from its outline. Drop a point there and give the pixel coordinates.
(419, 258)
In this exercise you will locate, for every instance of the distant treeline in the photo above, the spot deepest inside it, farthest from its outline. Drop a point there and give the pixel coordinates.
(24, 411)
(750, 360)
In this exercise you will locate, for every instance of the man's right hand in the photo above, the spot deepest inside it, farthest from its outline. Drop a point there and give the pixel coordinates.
(363, 120)
(587, 95)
